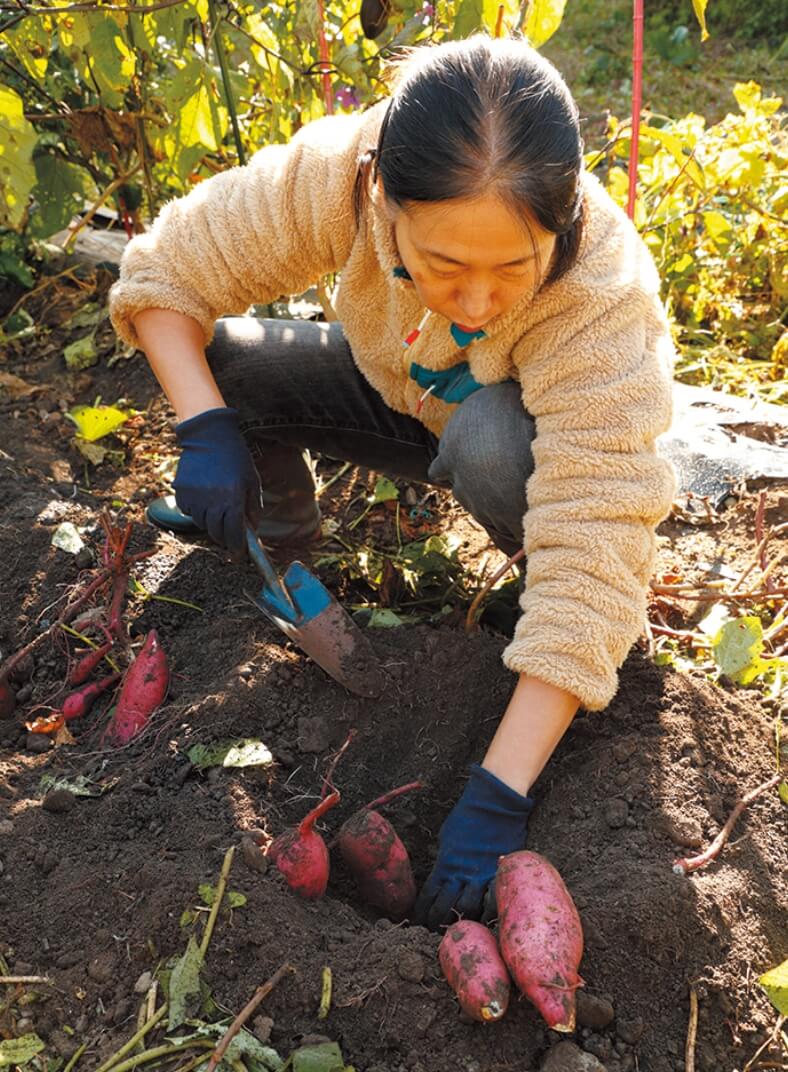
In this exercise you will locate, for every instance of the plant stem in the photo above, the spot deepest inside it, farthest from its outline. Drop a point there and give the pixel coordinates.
(76, 1056)
(160, 1051)
(392, 795)
(135, 1038)
(261, 992)
(218, 44)
(217, 901)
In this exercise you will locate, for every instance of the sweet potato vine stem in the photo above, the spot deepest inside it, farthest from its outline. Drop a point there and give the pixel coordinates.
(392, 795)
(694, 863)
(217, 901)
(135, 1038)
(692, 1031)
(259, 994)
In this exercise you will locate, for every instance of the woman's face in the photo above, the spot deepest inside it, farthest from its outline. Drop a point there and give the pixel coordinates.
(471, 260)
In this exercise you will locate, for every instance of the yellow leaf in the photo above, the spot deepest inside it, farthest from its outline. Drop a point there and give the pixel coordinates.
(699, 7)
(95, 422)
(677, 149)
(717, 227)
(17, 174)
(775, 983)
(542, 20)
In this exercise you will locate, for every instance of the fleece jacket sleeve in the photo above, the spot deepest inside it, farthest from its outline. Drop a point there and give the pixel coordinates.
(249, 234)
(600, 394)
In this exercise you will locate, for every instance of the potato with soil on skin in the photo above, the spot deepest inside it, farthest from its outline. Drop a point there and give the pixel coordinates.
(379, 862)
(472, 964)
(301, 855)
(540, 935)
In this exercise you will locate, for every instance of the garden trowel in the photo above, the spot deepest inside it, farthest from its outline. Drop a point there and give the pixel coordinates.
(308, 614)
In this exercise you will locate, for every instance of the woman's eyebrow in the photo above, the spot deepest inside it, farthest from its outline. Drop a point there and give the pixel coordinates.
(451, 260)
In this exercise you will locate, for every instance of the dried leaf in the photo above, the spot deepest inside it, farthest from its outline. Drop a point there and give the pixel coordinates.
(14, 387)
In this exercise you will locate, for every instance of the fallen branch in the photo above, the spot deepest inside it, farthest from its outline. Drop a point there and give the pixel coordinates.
(13, 979)
(471, 615)
(692, 1032)
(694, 863)
(261, 992)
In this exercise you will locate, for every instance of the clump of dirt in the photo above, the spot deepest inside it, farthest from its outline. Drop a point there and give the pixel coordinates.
(93, 889)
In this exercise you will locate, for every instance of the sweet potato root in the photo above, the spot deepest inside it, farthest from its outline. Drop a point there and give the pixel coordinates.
(474, 969)
(540, 935)
(79, 703)
(301, 854)
(379, 862)
(144, 688)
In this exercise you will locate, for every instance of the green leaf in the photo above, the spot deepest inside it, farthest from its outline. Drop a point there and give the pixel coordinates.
(20, 1050)
(233, 897)
(469, 17)
(324, 1057)
(58, 193)
(385, 490)
(184, 982)
(383, 618)
(112, 63)
(775, 983)
(17, 174)
(783, 791)
(188, 916)
(14, 267)
(699, 7)
(19, 324)
(737, 649)
(95, 422)
(88, 316)
(82, 353)
(248, 752)
(542, 19)
(243, 1045)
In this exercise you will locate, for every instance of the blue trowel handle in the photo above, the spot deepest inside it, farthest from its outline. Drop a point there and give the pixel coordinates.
(266, 568)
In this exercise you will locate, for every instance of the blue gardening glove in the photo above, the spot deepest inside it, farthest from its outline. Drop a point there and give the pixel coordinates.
(216, 482)
(488, 821)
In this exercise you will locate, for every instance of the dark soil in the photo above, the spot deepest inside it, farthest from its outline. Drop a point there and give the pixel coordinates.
(92, 892)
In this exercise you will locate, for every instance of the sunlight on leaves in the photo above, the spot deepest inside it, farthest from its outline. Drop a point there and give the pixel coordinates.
(95, 422)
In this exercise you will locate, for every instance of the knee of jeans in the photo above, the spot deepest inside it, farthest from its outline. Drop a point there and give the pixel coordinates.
(485, 454)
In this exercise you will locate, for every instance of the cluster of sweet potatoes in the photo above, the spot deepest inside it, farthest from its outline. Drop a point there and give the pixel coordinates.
(369, 846)
(144, 684)
(539, 945)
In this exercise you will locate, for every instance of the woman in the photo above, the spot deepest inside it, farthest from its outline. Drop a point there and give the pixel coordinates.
(536, 351)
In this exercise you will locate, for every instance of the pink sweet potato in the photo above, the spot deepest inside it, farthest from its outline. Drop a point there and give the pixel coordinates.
(301, 854)
(144, 688)
(379, 862)
(540, 935)
(85, 666)
(473, 967)
(79, 703)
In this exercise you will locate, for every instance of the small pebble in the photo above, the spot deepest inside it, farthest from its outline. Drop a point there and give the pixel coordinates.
(616, 812)
(594, 1012)
(245, 672)
(411, 967)
(622, 750)
(262, 1026)
(59, 801)
(38, 743)
(142, 985)
(567, 1057)
(83, 558)
(253, 855)
(6, 826)
(630, 1031)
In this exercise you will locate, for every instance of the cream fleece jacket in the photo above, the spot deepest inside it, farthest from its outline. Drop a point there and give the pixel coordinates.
(592, 352)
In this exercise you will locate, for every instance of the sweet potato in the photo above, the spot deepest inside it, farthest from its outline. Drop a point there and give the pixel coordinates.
(540, 935)
(79, 703)
(379, 862)
(473, 967)
(7, 699)
(144, 688)
(301, 854)
(85, 666)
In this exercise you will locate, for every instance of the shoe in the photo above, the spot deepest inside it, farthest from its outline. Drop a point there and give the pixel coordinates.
(165, 514)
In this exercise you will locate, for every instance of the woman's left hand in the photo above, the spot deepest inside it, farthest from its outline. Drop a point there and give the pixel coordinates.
(489, 820)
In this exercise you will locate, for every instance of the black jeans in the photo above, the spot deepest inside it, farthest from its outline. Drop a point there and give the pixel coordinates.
(296, 387)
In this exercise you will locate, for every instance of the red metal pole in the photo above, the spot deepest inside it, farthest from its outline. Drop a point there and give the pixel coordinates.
(637, 100)
(325, 63)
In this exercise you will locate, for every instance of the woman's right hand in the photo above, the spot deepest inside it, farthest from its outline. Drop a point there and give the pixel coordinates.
(217, 483)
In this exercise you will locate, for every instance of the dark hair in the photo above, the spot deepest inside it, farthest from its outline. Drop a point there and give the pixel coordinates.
(480, 116)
